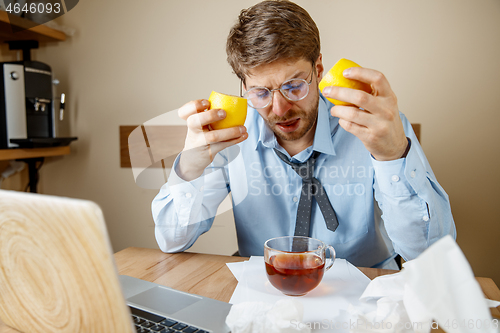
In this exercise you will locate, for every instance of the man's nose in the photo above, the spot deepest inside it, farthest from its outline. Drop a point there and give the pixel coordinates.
(280, 104)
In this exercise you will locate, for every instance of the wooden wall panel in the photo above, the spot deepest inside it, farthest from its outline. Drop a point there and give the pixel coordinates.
(416, 129)
(150, 144)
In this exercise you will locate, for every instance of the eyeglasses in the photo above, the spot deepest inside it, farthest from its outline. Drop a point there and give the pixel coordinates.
(293, 90)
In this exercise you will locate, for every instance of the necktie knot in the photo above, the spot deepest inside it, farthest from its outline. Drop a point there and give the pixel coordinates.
(306, 169)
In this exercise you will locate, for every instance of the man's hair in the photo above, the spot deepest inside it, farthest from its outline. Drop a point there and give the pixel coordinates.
(268, 31)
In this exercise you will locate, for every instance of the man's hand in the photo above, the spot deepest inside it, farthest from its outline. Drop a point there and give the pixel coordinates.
(202, 144)
(378, 125)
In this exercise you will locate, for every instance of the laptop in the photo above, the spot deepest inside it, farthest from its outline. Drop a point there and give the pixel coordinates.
(57, 274)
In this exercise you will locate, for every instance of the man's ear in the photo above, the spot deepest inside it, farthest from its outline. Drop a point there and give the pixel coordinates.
(319, 67)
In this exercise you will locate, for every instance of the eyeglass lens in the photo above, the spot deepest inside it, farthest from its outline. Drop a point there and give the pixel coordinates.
(294, 90)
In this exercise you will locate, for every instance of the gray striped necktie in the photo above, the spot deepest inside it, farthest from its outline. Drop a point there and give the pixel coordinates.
(311, 187)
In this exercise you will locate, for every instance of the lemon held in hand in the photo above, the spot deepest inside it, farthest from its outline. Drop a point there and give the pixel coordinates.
(335, 77)
(235, 107)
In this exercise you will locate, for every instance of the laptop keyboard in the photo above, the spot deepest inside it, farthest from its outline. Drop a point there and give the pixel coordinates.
(147, 322)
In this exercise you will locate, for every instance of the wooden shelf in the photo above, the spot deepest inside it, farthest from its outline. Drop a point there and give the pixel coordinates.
(40, 33)
(18, 153)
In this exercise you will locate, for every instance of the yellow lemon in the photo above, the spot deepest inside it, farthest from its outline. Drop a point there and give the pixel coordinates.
(335, 77)
(235, 107)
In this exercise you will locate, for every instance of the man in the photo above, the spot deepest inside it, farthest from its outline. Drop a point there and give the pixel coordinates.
(364, 187)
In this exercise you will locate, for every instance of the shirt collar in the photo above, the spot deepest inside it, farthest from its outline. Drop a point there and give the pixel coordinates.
(266, 136)
(322, 137)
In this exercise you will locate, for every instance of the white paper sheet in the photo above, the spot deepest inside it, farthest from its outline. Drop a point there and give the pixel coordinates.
(324, 307)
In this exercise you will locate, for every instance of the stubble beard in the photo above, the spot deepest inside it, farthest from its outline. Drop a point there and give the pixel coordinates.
(307, 118)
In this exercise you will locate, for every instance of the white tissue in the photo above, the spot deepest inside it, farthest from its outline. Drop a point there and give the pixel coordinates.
(437, 289)
(389, 317)
(284, 316)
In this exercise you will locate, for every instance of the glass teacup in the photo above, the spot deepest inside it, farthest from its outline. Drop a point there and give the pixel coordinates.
(295, 265)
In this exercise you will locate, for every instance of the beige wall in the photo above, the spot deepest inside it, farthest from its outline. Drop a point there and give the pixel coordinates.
(129, 62)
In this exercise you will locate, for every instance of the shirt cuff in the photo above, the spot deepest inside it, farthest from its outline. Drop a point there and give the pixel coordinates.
(391, 178)
(415, 172)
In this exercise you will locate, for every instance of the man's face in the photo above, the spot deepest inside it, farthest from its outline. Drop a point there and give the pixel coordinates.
(290, 121)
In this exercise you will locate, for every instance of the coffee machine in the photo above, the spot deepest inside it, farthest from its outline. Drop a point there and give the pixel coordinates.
(29, 116)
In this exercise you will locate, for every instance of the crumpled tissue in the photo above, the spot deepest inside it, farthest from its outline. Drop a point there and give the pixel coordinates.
(284, 316)
(437, 289)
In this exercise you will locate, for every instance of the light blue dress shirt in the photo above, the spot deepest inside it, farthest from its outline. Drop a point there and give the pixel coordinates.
(383, 208)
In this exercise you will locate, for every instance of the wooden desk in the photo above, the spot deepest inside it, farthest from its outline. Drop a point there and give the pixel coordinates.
(202, 274)
(208, 275)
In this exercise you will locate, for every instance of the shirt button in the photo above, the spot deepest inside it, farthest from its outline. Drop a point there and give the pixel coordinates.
(202, 188)
(425, 218)
(413, 174)
(188, 195)
(295, 199)
(395, 178)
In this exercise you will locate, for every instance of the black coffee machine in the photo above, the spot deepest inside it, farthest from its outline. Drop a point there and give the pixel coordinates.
(28, 115)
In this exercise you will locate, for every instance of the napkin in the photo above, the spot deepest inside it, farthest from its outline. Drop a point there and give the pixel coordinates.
(284, 316)
(437, 289)
(324, 307)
